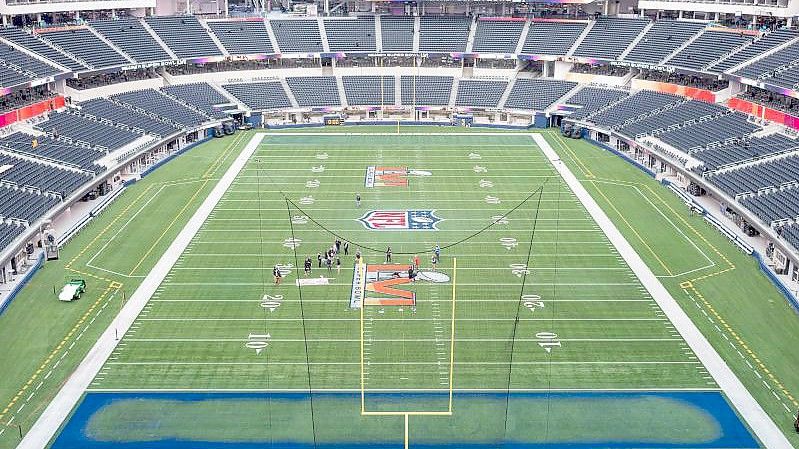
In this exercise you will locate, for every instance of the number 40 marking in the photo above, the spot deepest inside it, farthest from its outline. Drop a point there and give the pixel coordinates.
(548, 340)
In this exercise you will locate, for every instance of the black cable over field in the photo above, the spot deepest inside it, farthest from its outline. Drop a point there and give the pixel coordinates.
(554, 313)
(519, 307)
(302, 318)
(263, 290)
(407, 253)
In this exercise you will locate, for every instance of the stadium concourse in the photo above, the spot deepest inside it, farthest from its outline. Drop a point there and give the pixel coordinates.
(174, 163)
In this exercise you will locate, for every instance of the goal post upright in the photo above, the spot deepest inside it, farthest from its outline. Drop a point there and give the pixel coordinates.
(450, 392)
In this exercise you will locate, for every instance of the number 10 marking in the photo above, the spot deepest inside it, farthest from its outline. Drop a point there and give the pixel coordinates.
(548, 340)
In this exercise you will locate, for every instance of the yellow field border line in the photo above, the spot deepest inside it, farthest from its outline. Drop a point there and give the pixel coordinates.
(169, 227)
(111, 286)
(690, 288)
(206, 176)
(212, 169)
(580, 164)
(632, 228)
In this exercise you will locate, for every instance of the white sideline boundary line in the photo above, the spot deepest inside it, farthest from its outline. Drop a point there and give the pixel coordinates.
(767, 432)
(70, 393)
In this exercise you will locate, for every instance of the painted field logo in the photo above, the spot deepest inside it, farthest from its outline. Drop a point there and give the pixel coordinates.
(395, 220)
(387, 285)
(381, 176)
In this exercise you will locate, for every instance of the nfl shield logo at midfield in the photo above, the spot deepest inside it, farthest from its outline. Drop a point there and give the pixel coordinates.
(397, 220)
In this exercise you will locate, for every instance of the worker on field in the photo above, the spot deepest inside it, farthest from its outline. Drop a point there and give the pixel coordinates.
(357, 200)
(388, 254)
(416, 262)
(277, 274)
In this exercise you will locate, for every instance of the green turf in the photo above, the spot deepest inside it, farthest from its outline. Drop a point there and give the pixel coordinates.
(44, 339)
(741, 296)
(199, 342)
(742, 314)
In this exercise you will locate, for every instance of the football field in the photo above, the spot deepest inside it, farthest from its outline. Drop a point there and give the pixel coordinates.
(529, 326)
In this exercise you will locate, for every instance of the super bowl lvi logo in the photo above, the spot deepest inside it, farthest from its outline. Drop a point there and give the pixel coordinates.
(382, 176)
(395, 220)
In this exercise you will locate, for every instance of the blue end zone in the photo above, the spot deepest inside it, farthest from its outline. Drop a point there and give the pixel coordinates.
(281, 420)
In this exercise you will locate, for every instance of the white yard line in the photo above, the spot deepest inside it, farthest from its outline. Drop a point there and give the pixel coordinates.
(460, 300)
(464, 284)
(70, 393)
(405, 362)
(406, 319)
(765, 429)
(388, 390)
(392, 340)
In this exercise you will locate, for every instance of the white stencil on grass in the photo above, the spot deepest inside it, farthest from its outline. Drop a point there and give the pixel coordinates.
(307, 200)
(292, 243)
(532, 302)
(299, 219)
(500, 219)
(480, 169)
(285, 268)
(548, 341)
(322, 156)
(492, 199)
(474, 156)
(484, 183)
(312, 184)
(508, 242)
(519, 269)
(258, 342)
(271, 302)
(318, 169)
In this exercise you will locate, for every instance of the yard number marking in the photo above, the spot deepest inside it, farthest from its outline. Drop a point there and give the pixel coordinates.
(292, 242)
(548, 340)
(257, 342)
(312, 184)
(271, 302)
(480, 169)
(492, 199)
(519, 269)
(500, 219)
(532, 302)
(508, 242)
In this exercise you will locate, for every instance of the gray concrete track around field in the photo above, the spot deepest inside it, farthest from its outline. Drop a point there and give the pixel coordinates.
(754, 415)
(57, 411)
